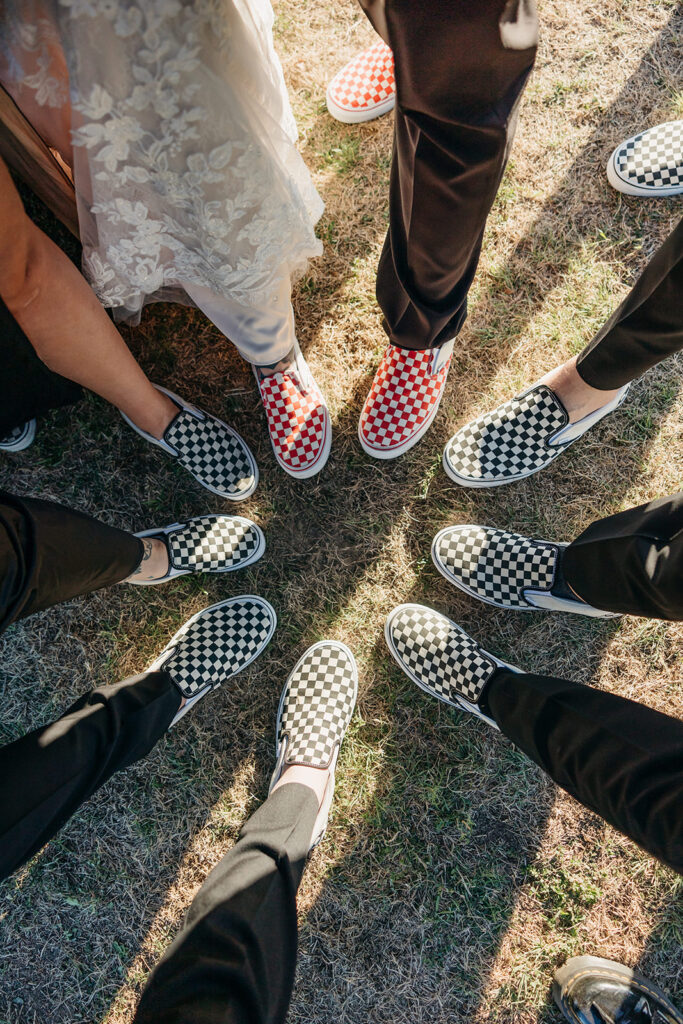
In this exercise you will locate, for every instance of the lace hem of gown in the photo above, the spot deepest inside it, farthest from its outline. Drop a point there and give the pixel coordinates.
(182, 142)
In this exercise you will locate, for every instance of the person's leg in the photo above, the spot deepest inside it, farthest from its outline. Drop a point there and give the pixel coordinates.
(235, 956)
(618, 758)
(631, 562)
(68, 328)
(296, 411)
(646, 328)
(234, 959)
(47, 774)
(460, 72)
(27, 387)
(50, 553)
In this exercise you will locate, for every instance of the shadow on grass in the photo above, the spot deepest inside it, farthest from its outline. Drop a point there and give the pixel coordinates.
(438, 851)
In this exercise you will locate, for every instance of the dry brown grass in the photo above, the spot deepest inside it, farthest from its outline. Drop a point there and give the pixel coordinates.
(454, 877)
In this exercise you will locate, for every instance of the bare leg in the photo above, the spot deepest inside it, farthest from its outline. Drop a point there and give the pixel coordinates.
(154, 562)
(315, 778)
(65, 323)
(578, 398)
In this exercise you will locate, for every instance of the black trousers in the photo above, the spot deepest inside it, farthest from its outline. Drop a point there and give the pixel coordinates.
(234, 959)
(27, 387)
(47, 774)
(235, 956)
(49, 554)
(631, 562)
(461, 68)
(618, 758)
(646, 328)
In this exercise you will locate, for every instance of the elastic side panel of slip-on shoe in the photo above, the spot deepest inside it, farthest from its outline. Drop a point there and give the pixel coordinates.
(546, 601)
(573, 431)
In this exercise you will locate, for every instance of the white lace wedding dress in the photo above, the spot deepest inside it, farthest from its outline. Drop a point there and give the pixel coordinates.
(174, 118)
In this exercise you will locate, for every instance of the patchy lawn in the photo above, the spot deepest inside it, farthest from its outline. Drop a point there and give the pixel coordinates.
(454, 877)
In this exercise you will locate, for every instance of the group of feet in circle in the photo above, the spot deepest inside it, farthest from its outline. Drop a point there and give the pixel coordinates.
(514, 441)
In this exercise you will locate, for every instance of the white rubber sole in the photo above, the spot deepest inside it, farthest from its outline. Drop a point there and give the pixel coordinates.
(464, 481)
(358, 116)
(175, 574)
(623, 185)
(462, 704)
(24, 442)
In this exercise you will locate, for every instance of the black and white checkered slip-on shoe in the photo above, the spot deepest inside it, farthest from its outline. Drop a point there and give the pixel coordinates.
(19, 437)
(650, 163)
(212, 543)
(216, 644)
(504, 569)
(441, 657)
(517, 439)
(208, 448)
(314, 713)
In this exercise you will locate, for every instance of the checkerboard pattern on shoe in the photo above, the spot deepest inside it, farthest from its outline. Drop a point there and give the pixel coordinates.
(402, 402)
(650, 163)
(212, 452)
(213, 543)
(438, 655)
(298, 421)
(317, 704)
(509, 443)
(493, 565)
(217, 643)
(365, 88)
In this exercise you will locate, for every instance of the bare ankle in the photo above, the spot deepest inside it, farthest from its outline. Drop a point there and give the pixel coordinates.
(316, 779)
(155, 420)
(578, 398)
(153, 564)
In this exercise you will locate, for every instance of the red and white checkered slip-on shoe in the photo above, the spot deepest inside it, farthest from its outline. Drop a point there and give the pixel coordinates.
(403, 400)
(298, 419)
(365, 88)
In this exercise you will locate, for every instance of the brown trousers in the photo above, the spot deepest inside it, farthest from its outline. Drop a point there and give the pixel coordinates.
(461, 68)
